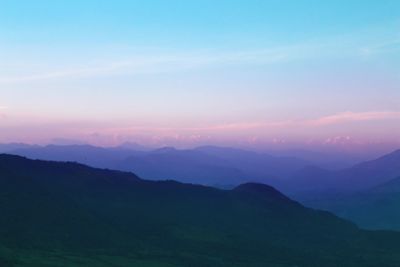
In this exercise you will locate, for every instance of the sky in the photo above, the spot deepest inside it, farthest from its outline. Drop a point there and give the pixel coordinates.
(256, 73)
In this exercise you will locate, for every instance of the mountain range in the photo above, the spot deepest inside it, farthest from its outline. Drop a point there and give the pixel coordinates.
(217, 166)
(362, 176)
(350, 192)
(68, 214)
(222, 166)
(367, 194)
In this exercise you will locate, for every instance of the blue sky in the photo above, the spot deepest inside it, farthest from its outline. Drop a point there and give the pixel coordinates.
(194, 72)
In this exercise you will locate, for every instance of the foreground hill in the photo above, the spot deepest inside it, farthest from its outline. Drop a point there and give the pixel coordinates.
(66, 214)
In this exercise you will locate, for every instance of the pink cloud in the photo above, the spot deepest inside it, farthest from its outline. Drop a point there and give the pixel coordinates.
(31, 128)
(355, 116)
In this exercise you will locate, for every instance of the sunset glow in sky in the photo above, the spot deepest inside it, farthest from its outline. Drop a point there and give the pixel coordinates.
(187, 73)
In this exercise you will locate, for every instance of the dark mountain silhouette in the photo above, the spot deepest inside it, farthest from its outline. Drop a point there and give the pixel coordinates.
(204, 165)
(67, 214)
(85, 154)
(183, 165)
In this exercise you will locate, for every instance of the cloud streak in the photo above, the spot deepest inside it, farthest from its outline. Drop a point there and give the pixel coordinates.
(284, 125)
(160, 64)
(107, 133)
(172, 62)
(354, 117)
(156, 62)
(335, 119)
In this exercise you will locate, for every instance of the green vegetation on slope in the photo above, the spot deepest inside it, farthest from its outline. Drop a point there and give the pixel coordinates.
(66, 214)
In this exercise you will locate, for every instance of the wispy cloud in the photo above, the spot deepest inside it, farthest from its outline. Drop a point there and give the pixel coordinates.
(355, 116)
(172, 62)
(259, 126)
(334, 119)
(339, 118)
(277, 132)
(166, 63)
(160, 62)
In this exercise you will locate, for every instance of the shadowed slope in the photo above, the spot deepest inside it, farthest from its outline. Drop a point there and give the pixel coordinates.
(91, 217)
